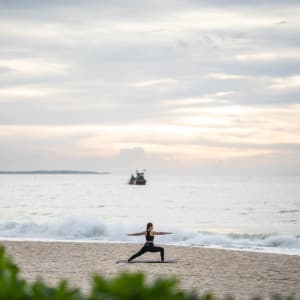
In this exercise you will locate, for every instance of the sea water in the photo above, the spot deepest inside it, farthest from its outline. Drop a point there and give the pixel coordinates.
(245, 213)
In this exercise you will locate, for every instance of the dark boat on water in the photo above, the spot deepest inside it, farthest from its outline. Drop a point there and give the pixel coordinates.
(139, 179)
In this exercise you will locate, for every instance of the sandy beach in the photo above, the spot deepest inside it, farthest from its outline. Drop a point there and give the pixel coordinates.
(222, 272)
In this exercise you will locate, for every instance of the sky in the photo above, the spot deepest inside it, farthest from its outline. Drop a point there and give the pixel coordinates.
(208, 87)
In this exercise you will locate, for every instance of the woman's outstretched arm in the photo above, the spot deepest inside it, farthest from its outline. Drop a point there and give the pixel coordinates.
(138, 233)
(162, 232)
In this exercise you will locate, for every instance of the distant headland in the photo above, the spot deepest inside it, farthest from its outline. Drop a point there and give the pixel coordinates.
(54, 172)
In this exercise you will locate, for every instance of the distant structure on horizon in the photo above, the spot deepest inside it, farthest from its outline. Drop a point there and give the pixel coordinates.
(54, 172)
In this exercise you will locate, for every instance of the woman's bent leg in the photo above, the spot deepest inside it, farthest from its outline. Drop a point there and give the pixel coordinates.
(158, 249)
(139, 253)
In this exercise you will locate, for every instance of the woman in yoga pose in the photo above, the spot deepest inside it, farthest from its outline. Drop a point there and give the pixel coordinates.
(149, 245)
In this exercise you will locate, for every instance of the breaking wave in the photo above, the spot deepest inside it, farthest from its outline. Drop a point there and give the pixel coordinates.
(95, 229)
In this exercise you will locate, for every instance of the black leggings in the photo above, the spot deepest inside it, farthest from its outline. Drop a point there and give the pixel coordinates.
(149, 247)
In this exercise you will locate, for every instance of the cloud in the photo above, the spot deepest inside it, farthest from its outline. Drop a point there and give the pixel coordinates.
(239, 124)
(283, 22)
(187, 102)
(224, 76)
(269, 56)
(23, 92)
(187, 80)
(155, 82)
(290, 82)
(225, 93)
(34, 66)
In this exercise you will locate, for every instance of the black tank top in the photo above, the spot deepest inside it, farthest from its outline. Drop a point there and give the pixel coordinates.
(149, 238)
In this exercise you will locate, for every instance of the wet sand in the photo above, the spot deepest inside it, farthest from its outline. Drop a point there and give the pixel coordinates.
(222, 272)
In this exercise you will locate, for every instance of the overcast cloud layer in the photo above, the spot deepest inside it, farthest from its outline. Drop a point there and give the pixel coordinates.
(202, 86)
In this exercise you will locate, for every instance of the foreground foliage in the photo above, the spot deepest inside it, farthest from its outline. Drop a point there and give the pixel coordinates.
(123, 287)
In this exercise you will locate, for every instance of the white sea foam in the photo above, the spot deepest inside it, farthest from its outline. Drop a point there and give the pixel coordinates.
(95, 229)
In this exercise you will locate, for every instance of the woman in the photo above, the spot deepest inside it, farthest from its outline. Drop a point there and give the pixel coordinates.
(149, 245)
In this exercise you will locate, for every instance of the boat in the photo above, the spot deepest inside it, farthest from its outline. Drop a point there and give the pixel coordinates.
(139, 179)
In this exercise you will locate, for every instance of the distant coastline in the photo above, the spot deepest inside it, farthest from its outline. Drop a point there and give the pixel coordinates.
(54, 172)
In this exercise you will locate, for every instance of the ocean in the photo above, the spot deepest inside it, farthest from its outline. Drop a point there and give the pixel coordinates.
(252, 213)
